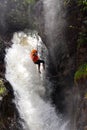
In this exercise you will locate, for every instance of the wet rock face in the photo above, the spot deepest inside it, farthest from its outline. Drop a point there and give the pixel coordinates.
(16, 15)
(9, 117)
(82, 54)
(82, 115)
(3, 45)
(2, 55)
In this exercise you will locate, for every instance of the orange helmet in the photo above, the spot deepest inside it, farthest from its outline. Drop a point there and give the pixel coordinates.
(34, 51)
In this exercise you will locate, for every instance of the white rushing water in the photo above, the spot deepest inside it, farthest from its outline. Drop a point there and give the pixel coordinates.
(54, 19)
(28, 87)
(54, 28)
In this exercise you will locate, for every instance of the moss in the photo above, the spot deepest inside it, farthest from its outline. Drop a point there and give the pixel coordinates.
(2, 88)
(81, 73)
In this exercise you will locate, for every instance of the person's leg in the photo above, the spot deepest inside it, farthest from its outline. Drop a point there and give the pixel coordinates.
(41, 61)
(44, 65)
(39, 67)
(38, 63)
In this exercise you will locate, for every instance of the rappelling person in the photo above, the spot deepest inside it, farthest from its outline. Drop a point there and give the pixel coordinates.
(35, 58)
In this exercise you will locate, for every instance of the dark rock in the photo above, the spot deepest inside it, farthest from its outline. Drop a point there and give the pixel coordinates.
(82, 114)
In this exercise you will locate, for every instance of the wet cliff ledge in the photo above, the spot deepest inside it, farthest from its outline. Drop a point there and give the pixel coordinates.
(16, 15)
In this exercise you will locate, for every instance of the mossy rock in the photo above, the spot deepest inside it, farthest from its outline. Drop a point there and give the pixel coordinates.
(81, 73)
(3, 90)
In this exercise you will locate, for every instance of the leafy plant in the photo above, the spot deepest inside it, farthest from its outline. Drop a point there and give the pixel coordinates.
(2, 88)
(83, 3)
(81, 72)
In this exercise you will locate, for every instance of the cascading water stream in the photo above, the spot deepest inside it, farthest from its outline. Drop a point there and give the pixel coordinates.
(28, 87)
(54, 28)
(54, 21)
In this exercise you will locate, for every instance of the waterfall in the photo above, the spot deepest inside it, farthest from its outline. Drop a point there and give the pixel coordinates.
(28, 87)
(54, 20)
(54, 27)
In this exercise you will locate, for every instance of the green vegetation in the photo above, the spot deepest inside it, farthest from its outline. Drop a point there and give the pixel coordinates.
(82, 39)
(2, 88)
(81, 72)
(83, 3)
